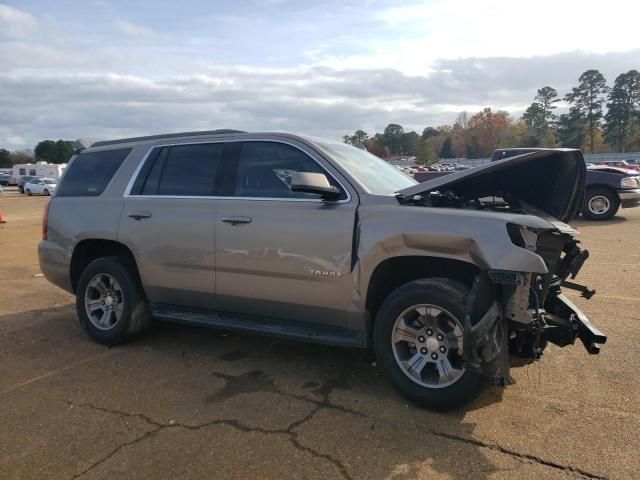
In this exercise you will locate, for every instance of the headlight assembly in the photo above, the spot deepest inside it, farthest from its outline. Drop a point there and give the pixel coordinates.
(630, 182)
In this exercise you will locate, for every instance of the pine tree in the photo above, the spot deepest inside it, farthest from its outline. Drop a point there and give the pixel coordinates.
(588, 98)
(623, 110)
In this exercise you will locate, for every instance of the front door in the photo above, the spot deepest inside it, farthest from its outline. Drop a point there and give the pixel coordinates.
(283, 254)
(169, 223)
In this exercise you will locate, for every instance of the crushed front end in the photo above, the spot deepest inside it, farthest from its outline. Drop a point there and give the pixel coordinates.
(520, 310)
(530, 310)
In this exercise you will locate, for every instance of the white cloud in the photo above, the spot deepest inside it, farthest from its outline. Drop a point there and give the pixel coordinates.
(16, 23)
(313, 100)
(319, 69)
(131, 29)
(447, 29)
(15, 141)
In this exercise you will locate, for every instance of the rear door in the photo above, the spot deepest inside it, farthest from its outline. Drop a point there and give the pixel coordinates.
(169, 223)
(284, 254)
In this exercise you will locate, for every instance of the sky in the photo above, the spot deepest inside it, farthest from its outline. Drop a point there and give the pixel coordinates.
(105, 69)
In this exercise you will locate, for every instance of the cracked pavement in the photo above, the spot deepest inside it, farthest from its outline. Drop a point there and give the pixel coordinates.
(195, 403)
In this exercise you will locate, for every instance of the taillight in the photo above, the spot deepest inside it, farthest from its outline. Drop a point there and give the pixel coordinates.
(45, 219)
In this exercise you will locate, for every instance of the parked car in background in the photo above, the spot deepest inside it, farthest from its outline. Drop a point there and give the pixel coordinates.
(620, 164)
(609, 188)
(633, 161)
(22, 181)
(40, 186)
(5, 177)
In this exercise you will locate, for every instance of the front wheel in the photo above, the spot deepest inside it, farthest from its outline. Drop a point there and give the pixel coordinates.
(46, 192)
(418, 341)
(110, 302)
(28, 192)
(600, 204)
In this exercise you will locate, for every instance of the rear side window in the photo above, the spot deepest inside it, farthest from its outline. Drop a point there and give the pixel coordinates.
(181, 170)
(89, 173)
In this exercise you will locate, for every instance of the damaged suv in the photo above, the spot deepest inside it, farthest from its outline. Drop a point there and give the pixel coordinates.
(315, 240)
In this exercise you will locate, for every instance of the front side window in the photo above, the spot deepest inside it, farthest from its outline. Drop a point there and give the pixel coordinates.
(90, 173)
(265, 169)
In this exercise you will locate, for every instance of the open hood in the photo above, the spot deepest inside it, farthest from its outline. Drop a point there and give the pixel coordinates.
(551, 180)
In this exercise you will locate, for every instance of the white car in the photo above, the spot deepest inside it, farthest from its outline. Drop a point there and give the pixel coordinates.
(40, 186)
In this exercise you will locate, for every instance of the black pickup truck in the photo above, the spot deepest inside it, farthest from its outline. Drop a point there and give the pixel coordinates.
(606, 188)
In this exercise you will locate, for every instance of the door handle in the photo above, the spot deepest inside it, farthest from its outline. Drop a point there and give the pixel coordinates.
(140, 215)
(236, 220)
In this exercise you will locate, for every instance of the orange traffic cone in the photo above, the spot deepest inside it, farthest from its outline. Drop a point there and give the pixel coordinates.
(2, 220)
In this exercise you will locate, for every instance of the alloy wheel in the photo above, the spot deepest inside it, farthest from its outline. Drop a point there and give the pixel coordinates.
(427, 344)
(104, 301)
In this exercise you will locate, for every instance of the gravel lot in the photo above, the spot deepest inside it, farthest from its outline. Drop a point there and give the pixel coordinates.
(194, 403)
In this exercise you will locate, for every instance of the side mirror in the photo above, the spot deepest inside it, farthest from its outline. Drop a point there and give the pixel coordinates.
(308, 182)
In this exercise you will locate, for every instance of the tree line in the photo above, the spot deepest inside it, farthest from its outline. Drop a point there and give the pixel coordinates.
(50, 151)
(586, 125)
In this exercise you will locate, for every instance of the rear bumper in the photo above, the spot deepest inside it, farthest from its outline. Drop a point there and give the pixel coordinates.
(629, 198)
(54, 264)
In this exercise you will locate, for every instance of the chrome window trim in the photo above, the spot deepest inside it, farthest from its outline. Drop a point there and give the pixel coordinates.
(145, 158)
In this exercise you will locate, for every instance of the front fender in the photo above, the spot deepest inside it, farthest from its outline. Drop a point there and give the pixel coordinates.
(478, 238)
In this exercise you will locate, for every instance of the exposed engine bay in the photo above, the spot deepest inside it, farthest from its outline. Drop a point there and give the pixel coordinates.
(549, 181)
(530, 310)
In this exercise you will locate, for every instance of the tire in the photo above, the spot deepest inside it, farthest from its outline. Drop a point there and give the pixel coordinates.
(21, 189)
(46, 192)
(449, 297)
(600, 204)
(28, 192)
(134, 310)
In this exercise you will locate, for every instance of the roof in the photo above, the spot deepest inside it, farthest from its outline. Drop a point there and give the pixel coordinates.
(82, 144)
(164, 136)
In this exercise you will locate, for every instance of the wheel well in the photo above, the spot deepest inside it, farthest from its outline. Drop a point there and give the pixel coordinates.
(395, 272)
(88, 250)
(601, 186)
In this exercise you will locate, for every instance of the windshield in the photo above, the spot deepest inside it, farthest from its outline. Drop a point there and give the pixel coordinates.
(373, 173)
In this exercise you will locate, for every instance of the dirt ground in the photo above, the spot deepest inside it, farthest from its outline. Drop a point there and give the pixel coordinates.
(185, 402)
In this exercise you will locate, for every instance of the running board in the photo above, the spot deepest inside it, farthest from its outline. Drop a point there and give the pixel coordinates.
(263, 326)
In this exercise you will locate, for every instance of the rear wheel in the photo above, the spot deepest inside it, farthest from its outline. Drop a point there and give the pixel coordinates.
(110, 302)
(20, 189)
(28, 192)
(46, 192)
(600, 204)
(418, 340)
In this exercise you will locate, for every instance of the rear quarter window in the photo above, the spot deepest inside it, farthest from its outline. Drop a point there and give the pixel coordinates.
(90, 173)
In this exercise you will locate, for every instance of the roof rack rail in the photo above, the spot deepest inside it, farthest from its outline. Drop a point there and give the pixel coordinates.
(82, 143)
(166, 135)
